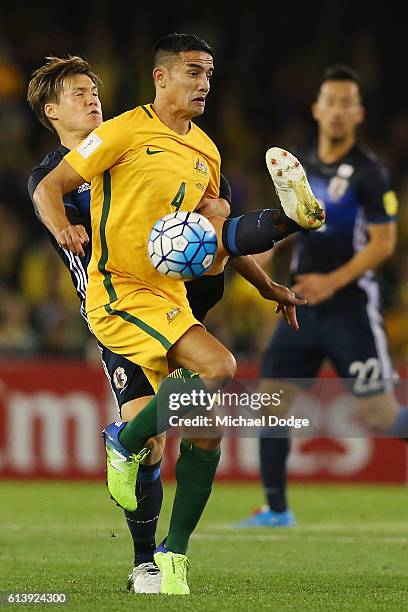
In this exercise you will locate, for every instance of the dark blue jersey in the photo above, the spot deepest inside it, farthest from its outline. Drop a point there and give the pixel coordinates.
(77, 208)
(355, 193)
(202, 293)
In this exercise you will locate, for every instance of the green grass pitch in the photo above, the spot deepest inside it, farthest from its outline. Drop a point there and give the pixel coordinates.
(349, 551)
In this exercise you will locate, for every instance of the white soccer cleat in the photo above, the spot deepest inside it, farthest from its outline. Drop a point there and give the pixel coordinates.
(145, 578)
(296, 197)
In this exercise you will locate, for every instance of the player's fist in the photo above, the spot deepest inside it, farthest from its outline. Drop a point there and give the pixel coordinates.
(213, 207)
(74, 238)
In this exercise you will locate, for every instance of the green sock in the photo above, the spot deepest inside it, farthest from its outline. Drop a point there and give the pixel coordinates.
(195, 472)
(154, 418)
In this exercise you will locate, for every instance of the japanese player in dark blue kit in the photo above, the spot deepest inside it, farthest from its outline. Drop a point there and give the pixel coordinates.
(64, 95)
(333, 269)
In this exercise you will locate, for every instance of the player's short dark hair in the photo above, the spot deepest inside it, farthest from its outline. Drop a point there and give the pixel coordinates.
(46, 82)
(340, 72)
(172, 44)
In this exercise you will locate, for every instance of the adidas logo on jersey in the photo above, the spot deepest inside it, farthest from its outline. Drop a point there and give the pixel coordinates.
(84, 187)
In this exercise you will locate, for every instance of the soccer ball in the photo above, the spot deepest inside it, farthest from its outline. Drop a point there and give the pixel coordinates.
(182, 245)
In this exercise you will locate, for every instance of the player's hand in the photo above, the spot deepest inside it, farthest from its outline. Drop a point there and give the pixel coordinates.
(74, 238)
(315, 288)
(213, 207)
(286, 302)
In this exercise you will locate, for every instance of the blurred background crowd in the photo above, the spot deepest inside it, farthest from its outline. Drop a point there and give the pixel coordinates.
(268, 62)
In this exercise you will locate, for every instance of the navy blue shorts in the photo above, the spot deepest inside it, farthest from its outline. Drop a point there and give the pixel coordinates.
(352, 339)
(127, 380)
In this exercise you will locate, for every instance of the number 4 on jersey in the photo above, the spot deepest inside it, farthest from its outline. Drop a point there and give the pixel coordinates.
(179, 197)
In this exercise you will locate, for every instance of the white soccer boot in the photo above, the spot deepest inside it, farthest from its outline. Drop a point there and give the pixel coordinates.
(145, 578)
(296, 197)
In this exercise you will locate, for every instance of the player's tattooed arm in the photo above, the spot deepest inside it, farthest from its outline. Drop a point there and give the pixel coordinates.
(48, 199)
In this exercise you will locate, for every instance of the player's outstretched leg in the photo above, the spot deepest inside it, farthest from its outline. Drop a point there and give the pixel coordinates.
(198, 460)
(125, 442)
(122, 467)
(296, 197)
(255, 232)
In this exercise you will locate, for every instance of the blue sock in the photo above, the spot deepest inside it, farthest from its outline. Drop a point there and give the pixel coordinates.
(400, 427)
(256, 231)
(142, 522)
(273, 457)
(162, 547)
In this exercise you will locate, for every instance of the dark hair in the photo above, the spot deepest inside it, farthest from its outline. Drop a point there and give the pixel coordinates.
(173, 44)
(47, 82)
(340, 72)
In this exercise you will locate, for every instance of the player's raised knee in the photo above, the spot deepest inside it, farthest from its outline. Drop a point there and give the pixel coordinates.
(220, 369)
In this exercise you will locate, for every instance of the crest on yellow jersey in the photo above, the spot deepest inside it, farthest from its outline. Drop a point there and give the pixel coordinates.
(173, 313)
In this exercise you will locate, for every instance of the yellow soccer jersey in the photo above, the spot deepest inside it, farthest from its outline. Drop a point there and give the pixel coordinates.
(140, 171)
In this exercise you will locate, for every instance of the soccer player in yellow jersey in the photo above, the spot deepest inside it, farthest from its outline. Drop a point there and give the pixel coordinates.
(144, 164)
(64, 95)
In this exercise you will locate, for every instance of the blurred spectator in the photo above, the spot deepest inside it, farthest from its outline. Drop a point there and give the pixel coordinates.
(47, 287)
(11, 247)
(16, 333)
